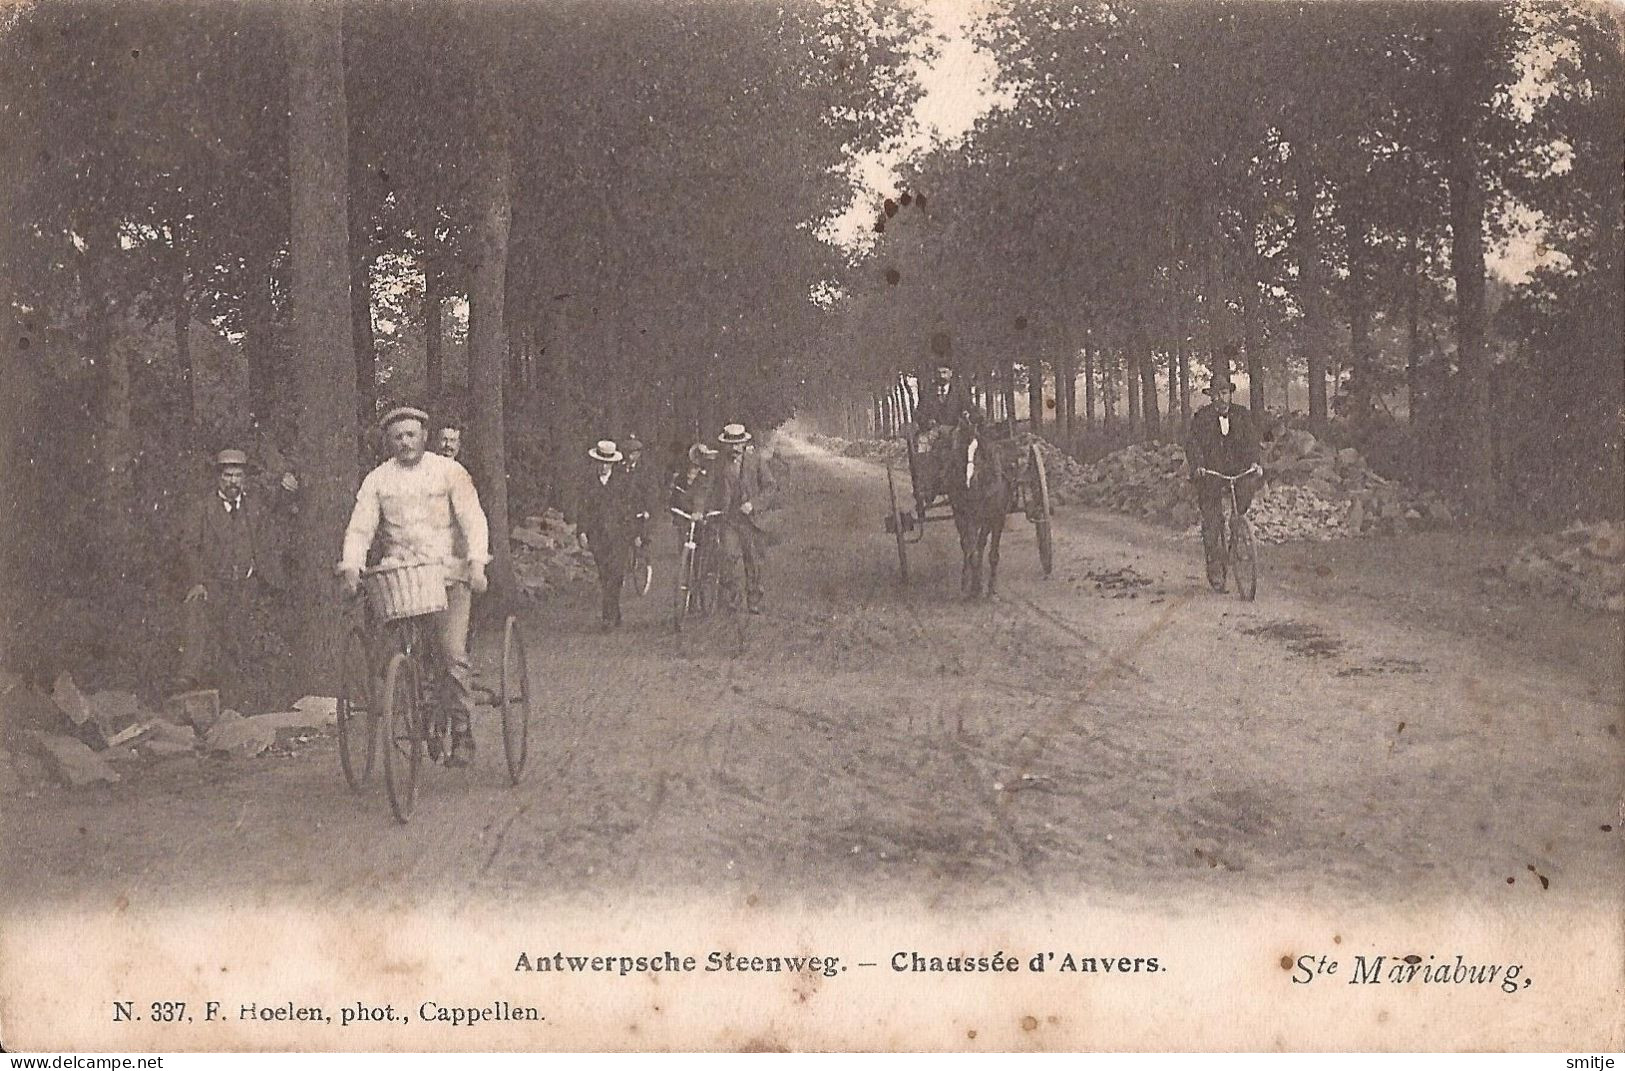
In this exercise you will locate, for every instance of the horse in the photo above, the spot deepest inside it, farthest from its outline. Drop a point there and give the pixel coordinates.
(980, 492)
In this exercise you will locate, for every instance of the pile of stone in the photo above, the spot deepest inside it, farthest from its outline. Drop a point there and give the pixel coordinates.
(77, 740)
(1146, 480)
(546, 555)
(1371, 504)
(1314, 492)
(1585, 563)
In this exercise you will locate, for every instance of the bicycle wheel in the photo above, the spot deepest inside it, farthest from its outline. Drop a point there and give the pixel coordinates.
(516, 698)
(403, 735)
(1243, 557)
(357, 714)
(682, 589)
(708, 574)
(643, 573)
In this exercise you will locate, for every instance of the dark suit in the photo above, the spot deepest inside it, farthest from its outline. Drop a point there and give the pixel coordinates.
(734, 483)
(234, 555)
(935, 419)
(642, 492)
(605, 512)
(942, 409)
(1209, 446)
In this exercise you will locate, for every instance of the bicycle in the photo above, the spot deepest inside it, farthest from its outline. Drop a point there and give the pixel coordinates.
(694, 591)
(1241, 550)
(412, 723)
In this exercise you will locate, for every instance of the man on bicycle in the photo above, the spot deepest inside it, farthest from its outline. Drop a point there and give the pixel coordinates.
(422, 507)
(1222, 438)
(689, 487)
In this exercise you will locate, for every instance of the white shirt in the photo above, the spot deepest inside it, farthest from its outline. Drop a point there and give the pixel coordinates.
(427, 511)
(1224, 425)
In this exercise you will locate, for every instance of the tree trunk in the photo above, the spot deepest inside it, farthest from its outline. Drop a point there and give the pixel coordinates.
(487, 363)
(1107, 387)
(1413, 327)
(362, 194)
(1089, 362)
(1008, 371)
(1171, 360)
(1035, 395)
(1362, 387)
(322, 324)
(115, 489)
(183, 355)
(1467, 265)
(1066, 389)
(1310, 299)
(259, 341)
(434, 332)
(1148, 383)
(1250, 340)
(366, 360)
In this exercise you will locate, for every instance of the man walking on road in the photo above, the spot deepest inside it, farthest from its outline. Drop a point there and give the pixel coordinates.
(743, 490)
(422, 507)
(1223, 439)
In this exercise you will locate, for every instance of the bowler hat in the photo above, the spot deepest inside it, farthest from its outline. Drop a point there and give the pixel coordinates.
(631, 443)
(1220, 383)
(605, 452)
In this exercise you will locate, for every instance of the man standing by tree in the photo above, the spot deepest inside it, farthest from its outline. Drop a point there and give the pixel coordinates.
(423, 508)
(1223, 439)
(743, 490)
(232, 560)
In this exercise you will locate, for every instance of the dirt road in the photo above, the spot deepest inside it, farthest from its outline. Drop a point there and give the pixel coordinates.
(1372, 726)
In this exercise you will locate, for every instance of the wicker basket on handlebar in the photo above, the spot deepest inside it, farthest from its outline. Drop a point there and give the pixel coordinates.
(407, 590)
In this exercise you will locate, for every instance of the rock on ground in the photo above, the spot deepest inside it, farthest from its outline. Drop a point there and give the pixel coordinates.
(74, 763)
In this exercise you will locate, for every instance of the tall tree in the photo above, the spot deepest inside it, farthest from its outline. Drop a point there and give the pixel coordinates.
(322, 327)
(487, 343)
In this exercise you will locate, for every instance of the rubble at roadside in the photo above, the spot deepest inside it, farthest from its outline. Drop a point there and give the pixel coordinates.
(547, 556)
(1584, 562)
(74, 739)
(1314, 491)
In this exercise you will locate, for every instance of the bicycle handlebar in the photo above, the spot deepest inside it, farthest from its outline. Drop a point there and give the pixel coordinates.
(1253, 469)
(697, 520)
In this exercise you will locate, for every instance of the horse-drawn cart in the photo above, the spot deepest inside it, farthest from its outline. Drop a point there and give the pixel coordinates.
(1021, 486)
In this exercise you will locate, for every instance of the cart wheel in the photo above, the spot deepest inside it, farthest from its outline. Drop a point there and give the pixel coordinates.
(357, 714)
(1038, 510)
(403, 735)
(897, 527)
(1243, 557)
(517, 699)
